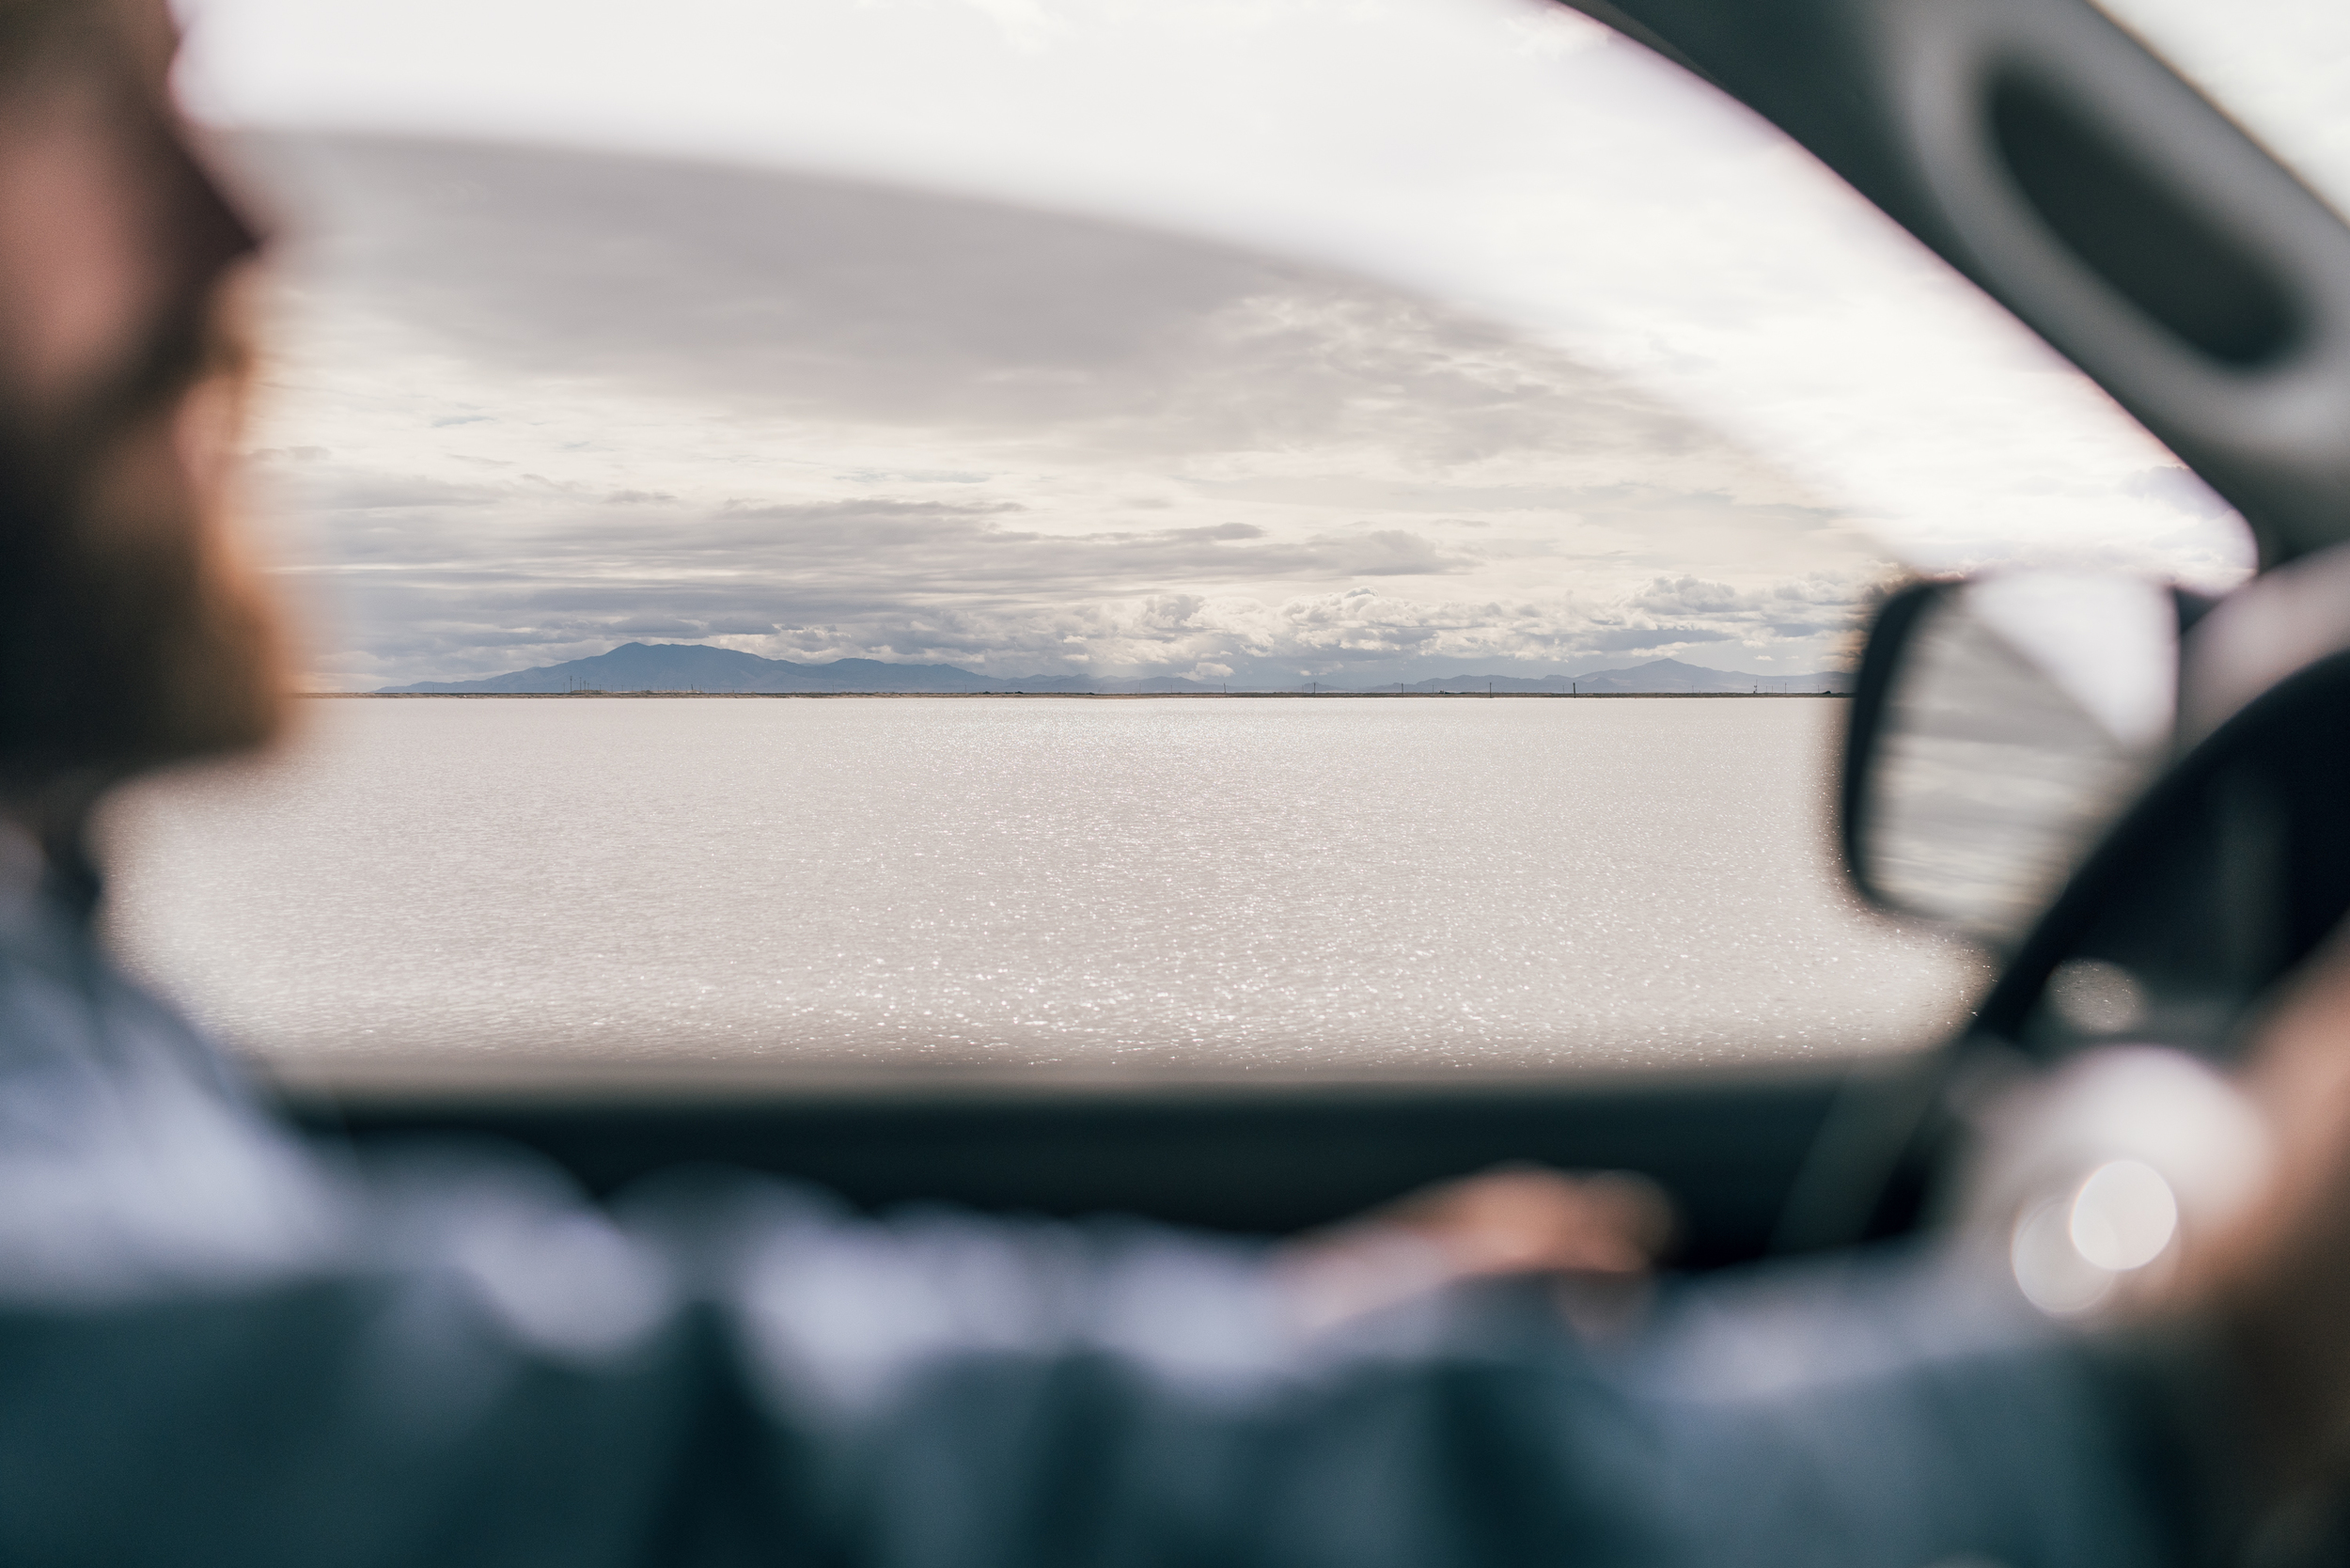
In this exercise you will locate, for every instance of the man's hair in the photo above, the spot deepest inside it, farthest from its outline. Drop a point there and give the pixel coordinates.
(131, 633)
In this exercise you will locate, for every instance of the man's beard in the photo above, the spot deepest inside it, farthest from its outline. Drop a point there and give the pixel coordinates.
(132, 634)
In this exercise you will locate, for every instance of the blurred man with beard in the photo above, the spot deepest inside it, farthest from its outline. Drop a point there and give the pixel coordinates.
(220, 1344)
(122, 368)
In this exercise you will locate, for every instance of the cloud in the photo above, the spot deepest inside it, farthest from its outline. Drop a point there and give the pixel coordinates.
(793, 294)
(1686, 595)
(1516, 156)
(815, 418)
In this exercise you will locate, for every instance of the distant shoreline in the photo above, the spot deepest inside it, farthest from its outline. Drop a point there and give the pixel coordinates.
(1101, 697)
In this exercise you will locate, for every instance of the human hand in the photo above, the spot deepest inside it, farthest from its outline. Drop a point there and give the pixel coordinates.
(2274, 1283)
(1598, 1234)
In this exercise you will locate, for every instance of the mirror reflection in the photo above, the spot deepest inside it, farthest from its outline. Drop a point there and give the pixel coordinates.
(2025, 711)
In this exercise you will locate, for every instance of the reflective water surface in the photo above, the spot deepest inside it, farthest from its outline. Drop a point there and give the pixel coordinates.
(1231, 885)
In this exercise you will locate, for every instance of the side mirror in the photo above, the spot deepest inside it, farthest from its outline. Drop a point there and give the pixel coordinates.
(2000, 724)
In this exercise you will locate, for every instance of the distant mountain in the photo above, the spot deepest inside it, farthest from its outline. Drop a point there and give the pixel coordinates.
(1108, 684)
(1657, 675)
(1671, 675)
(677, 666)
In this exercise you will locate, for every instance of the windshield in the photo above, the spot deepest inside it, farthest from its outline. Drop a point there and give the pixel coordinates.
(1294, 475)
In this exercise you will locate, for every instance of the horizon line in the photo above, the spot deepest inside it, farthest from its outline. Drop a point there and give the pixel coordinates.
(1102, 697)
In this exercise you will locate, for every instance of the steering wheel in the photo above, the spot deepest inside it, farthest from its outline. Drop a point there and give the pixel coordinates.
(2227, 871)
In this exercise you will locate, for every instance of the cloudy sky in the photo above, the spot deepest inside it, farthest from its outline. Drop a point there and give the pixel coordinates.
(1348, 339)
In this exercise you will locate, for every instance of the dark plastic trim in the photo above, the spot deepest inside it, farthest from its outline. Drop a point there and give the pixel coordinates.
(1728, 1144)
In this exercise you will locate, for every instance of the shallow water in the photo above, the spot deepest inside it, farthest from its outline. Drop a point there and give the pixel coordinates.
(1231, 885)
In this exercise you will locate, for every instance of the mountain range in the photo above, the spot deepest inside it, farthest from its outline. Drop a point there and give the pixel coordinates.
(673, 667)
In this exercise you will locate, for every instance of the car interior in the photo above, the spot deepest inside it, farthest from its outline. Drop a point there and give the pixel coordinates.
(2144, 877)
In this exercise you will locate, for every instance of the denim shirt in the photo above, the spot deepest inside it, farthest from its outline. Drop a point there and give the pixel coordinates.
(221, 1343)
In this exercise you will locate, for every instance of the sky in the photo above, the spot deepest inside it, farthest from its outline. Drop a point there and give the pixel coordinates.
(1336, 339)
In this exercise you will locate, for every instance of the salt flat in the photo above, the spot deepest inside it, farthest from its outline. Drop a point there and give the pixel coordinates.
(1226, 885)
